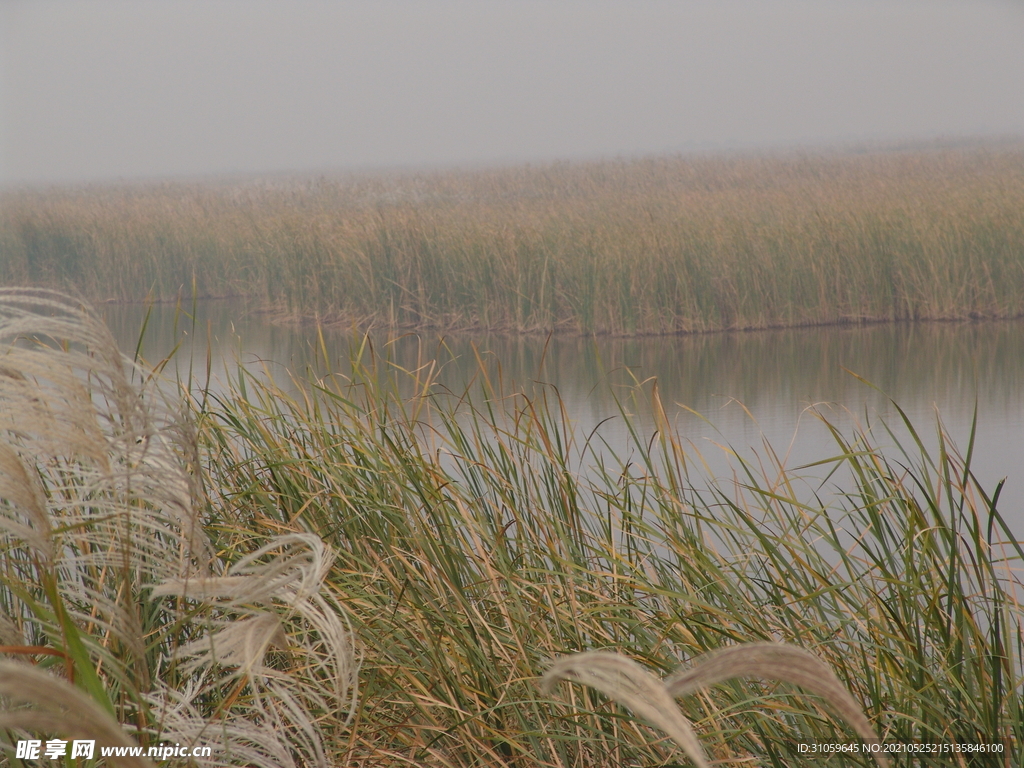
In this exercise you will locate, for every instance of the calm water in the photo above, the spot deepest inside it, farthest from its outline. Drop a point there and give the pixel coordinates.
(748, 386)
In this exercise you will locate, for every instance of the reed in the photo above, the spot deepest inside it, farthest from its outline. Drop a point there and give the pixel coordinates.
(115, 582)
(195, 584)
(480, 537)
(651, 246)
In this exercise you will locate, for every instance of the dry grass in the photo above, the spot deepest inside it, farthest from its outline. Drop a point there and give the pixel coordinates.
(482, 536)
(662, 245)
(112, 576)
(472, 539)
(626, 682)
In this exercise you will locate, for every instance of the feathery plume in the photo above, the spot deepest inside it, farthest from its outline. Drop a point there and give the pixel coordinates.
(625, 681)
(98, 523)
(38, 702)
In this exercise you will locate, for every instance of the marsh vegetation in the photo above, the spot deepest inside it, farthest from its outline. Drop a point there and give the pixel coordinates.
(205, 565)
(479, 551)
(651, 246)
(203, 561)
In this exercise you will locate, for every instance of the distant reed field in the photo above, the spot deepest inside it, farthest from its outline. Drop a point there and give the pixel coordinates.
(652, 246)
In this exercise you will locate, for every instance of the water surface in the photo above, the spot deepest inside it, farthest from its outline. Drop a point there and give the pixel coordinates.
(746, 387)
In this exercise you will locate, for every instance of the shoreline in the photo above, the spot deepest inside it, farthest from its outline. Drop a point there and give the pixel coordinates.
(282, 318)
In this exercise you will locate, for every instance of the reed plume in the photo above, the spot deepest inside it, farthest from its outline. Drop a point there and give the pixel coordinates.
(32, 701)
(108, 565)
(625, 681)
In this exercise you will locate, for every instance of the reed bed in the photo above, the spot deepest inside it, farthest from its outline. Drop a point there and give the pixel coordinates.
(482, 537)
(649, 246)
(203, 576)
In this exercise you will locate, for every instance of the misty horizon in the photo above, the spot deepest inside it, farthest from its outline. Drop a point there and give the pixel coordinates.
(127, 91)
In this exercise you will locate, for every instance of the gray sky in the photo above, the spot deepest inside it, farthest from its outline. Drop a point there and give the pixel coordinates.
(104, 89)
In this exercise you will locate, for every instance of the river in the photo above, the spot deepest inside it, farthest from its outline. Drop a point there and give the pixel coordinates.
(747, 386)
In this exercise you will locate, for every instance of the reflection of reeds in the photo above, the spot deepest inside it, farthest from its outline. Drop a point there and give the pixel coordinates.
(473, 552)
(649, 246)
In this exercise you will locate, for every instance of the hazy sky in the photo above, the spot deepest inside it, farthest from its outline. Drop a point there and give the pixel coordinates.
(102, 90)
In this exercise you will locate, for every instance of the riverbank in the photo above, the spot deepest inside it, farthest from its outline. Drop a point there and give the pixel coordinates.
(473, 551)
(652, 246)
(386, 577)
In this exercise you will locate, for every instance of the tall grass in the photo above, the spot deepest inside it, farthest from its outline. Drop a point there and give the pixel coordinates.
(481, 538)
(116, 580)
(193, 583)
(662, 245)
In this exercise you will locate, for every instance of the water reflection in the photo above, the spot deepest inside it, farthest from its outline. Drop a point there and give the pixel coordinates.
(745, 384)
